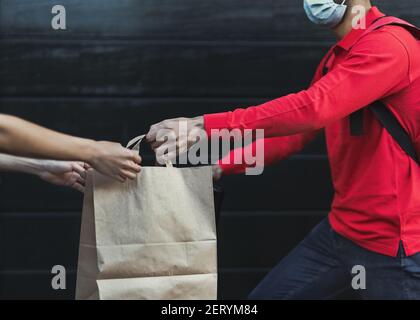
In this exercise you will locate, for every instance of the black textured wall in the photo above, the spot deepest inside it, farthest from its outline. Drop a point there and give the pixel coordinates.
(124, 64)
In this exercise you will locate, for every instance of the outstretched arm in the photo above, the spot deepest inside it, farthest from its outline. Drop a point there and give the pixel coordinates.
(63, 173)
(22, 138)
(275, 149)
(376, 67)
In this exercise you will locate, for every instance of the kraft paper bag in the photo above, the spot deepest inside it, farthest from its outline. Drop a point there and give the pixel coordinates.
(149, 238)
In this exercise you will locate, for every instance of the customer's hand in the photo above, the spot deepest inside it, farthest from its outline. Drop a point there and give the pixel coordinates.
(115, 161)
(176, 135)
(63, 173)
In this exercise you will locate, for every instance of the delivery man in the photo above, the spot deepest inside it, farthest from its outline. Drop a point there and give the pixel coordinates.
(366, 95)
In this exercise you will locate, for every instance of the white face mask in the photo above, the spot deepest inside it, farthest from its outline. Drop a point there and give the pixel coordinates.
(325, 12)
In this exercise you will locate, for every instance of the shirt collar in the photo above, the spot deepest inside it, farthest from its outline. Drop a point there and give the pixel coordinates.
(355, 34)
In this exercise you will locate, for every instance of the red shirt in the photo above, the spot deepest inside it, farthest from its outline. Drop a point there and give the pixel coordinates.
(377, 185)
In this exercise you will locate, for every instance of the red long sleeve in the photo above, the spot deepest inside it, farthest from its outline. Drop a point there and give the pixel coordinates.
(363, 77)
(275, 149)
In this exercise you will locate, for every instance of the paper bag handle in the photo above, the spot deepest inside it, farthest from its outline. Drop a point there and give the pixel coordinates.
(134, 144)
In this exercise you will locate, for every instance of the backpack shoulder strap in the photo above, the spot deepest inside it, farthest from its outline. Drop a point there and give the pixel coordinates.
(387, 119)
(393, 21)
(381, 112)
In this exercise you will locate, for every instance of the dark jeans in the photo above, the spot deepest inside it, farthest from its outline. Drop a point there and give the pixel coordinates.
(321, 266)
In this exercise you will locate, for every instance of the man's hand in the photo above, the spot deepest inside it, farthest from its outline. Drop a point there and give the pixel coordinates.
(175, 136)
(115, 161)
(217, 172)
(63, 173)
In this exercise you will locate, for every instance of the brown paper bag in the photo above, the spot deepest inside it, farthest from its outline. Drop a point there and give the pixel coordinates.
(150, 238)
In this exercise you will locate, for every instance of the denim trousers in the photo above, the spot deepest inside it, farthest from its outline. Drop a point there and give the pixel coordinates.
(325, 264)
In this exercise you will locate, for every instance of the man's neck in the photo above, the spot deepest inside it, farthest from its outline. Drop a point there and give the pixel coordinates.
(346, 25)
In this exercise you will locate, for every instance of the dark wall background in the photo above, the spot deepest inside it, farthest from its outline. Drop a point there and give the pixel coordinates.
(122, 65)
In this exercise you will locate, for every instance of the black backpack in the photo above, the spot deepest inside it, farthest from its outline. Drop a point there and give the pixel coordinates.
(378, 108)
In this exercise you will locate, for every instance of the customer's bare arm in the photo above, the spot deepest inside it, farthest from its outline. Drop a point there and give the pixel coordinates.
(23, 138)
(63, 173)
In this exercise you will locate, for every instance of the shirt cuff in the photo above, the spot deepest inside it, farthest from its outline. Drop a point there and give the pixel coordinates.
(230, 168)
(216, 121)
